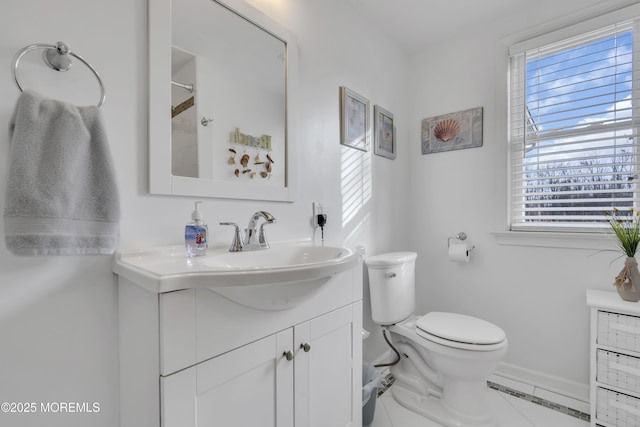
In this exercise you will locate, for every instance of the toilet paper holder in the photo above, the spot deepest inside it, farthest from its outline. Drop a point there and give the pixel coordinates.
(460, 236)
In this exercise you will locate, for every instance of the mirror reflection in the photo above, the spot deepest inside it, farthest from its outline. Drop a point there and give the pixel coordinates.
(228, 96)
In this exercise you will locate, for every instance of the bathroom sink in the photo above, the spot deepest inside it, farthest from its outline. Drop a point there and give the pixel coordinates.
(272, 279)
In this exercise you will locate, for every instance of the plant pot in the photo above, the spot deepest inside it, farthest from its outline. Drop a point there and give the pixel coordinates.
(628, 281)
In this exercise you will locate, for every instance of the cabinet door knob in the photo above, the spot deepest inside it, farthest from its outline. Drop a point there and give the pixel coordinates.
(288, 355)
(305, 346)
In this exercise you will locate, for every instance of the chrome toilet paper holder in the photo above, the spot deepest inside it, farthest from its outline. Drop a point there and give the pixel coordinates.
(461, 236)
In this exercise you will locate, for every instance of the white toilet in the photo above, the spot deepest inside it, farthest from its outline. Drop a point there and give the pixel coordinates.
(445, 358)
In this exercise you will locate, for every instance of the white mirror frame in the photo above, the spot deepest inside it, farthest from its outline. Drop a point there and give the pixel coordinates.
(161, 181)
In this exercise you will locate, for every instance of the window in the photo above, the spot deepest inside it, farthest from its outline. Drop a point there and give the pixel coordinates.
(572, 129)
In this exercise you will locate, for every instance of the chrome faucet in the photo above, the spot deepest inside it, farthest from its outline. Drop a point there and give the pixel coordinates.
(252, 236)
(254, 239)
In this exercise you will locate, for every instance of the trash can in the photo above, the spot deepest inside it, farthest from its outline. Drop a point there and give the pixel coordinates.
(371, 380)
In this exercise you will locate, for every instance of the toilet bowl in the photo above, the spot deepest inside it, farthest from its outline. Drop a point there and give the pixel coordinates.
(445, 358)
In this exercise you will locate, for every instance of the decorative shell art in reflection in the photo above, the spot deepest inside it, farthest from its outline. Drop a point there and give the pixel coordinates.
(454, 131)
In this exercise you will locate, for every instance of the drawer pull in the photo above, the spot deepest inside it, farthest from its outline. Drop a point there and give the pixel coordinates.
(625, 328)
(623, 407)
(624, 368)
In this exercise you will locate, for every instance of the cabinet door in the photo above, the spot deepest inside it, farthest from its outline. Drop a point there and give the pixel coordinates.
(250, 386)
(328, 376)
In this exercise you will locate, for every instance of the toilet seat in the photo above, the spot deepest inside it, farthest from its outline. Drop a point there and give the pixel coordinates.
(460, 331)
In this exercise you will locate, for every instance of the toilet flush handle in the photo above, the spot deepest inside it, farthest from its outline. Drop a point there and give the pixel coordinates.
(390, 275)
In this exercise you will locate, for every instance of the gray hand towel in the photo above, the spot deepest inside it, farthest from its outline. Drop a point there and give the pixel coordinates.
(62, 197)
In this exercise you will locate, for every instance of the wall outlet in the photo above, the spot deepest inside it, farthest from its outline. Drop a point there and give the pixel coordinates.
(317, 210)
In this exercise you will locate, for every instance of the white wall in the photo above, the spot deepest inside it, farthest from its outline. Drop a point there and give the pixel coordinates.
(58, 316)
(536, 294)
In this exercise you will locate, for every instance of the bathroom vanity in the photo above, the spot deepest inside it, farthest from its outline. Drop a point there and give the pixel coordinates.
(203, 342)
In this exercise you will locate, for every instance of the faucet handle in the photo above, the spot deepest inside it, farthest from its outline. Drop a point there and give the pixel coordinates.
(236, 243)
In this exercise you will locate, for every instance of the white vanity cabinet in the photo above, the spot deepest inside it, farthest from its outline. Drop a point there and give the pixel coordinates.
(615, 360)
(258, 383)
(195, 358)
(250, 386)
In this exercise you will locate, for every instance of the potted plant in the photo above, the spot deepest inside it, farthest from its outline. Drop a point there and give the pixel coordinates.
(626, 227)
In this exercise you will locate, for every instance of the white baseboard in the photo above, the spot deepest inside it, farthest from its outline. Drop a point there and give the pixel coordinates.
(539, 384)
(552, 383)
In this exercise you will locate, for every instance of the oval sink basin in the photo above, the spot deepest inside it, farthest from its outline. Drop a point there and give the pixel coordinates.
(271, 279)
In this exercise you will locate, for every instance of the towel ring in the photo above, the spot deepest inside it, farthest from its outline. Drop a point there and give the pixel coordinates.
(56, 57)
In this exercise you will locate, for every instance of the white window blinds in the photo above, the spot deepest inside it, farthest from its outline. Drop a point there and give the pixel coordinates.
(572, 125)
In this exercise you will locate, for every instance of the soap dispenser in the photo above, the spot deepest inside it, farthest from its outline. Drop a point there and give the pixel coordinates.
(195, 234)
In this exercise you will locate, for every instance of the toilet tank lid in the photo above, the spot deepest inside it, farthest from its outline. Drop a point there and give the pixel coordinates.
(460, 328)
(390, 259)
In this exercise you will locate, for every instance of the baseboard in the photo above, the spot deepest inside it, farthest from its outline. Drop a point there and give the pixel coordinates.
(540, 380)
(532, 383)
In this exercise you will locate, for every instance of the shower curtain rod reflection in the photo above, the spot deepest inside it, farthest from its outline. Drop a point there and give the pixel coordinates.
(188, 87)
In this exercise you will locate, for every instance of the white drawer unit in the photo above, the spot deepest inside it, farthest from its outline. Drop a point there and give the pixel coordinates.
(619, 370)
(615, 360)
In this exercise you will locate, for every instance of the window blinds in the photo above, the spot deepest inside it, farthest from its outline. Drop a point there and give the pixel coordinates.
(572, 133)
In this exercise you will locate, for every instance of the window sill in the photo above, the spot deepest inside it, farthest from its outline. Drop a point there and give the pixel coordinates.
(597, 240)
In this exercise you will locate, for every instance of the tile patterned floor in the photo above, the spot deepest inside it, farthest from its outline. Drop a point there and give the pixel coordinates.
(553, 401)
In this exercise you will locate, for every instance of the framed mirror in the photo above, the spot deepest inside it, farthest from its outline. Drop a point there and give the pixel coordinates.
(221, 101)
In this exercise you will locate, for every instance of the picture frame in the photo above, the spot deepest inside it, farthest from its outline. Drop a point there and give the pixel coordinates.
(354, 119)
(384, 135)
(453, 131)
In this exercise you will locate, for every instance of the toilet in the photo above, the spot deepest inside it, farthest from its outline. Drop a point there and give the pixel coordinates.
(445, 359)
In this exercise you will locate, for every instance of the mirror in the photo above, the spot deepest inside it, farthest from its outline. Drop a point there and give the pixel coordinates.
(220, 101)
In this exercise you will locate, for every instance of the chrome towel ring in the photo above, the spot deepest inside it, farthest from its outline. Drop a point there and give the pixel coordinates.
(56, 57)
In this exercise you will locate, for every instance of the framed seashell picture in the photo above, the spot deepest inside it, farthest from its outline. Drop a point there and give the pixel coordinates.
(384, 134)
(354, 119)
(454, 131)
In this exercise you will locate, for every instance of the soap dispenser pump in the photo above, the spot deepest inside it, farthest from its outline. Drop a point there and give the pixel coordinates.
(196, 234)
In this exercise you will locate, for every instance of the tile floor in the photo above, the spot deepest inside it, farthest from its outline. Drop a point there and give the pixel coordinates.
(510, 411)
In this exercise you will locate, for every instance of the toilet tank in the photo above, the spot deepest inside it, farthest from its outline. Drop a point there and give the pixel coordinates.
(392, 286)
